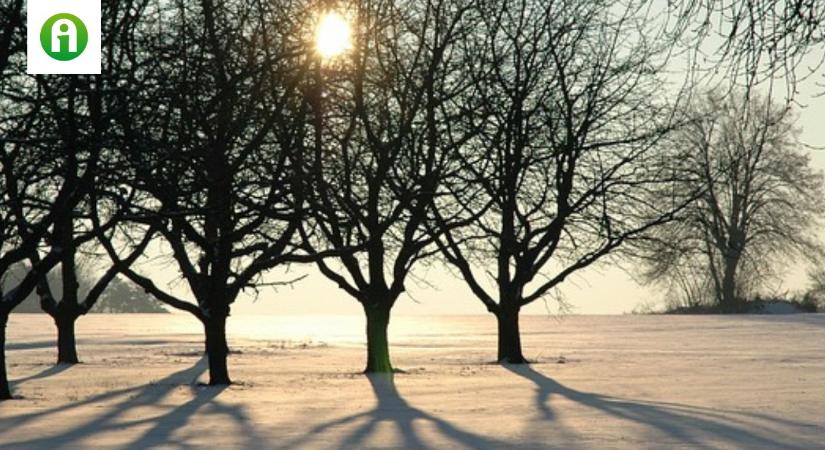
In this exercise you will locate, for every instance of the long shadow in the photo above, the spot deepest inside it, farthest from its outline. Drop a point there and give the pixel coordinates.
(51, 343)
(205, 402)
(31, 345)
(393, 408)
(696, 427)
(47, 372)
(161, 427)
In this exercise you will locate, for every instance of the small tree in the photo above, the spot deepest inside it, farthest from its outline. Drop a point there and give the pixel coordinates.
(760, 202)
(121, 296)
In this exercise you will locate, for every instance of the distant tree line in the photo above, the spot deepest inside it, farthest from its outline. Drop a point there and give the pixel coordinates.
(120, 296)
(518, 142)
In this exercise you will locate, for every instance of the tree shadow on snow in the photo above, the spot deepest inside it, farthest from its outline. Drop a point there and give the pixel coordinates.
(45, 373)
(696, 427)
(161, 428)
(393, 409)
(81, 342)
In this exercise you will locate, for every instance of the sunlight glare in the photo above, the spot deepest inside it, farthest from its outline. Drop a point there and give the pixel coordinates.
(332, 37)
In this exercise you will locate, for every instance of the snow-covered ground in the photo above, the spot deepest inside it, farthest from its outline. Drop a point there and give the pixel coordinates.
(601, 382)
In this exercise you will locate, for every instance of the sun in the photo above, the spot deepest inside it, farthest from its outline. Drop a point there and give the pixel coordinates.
(332, 38)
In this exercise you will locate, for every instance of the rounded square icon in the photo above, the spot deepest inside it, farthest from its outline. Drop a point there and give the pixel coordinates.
(63, 37)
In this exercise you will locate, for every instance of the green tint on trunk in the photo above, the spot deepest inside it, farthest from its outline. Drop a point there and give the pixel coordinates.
(378, 347)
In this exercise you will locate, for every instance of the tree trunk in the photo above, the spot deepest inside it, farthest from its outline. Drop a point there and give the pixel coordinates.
(378, 347)
(509, 336)
(66, 343)
(730, 304)
(206, 335)
(5, 392)
(217, 350)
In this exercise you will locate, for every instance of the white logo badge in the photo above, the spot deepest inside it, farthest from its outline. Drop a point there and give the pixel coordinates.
(63, 36)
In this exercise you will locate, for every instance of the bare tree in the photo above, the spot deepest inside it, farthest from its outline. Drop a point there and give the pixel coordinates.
(69, 122)
(213, 140)
(381, 148)
(31, 193)
(570, 117)
(760, 203)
